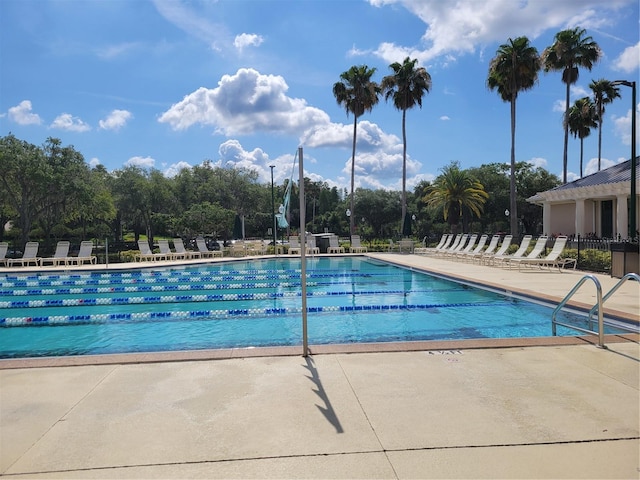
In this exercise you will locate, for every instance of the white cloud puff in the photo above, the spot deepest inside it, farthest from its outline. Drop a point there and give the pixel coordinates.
(629, 59)
(142, 162)
(69, 123)
(473, 24)
(245, 103)
(115, 120)
(247, 40)
(22, 115)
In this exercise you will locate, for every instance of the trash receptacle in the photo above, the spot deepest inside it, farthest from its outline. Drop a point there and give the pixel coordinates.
(625, 258)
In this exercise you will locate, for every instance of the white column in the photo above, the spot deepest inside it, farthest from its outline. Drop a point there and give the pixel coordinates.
(546, 218)
(580, 218)
(622, 220)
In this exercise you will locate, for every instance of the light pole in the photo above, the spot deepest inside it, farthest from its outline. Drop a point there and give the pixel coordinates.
(632, 202)
(273, 210)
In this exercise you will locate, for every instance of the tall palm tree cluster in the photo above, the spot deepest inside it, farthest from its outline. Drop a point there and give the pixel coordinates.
(515, 69)
(359, 94)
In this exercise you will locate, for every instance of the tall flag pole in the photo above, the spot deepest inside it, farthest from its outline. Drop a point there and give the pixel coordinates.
(303, 259)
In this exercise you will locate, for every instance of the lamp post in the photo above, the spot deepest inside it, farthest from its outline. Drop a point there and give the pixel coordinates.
(273, 210)
(632, 202)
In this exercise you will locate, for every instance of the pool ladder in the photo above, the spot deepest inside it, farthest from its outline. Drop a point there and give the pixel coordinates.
(597, 308)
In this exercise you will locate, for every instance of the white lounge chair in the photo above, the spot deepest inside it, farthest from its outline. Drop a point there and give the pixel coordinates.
(450, 246)
(553, 259)
(4, 248)
(487, 257)
(467, 248)
(356, 245)
(445, 241)
(165, 249)
(178, 246)
(204, 250)
(85, 255)
(311, 248)
(491, 248)
(146, 253)
(535, 252)
(29, 256)
(294, 245)
(502, 258)
(458, 244)
(60, 256)
(334, 245)
(465, 254)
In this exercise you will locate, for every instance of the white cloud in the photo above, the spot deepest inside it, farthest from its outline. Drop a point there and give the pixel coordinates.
(69, 123)
(173, 170)
(245, 103)
(472, 24)
(94, 162)
(622, 126)
(559, 106)
(115, 120)
(142, 162)
(592, 165)
(192, 18)
(445, 118)
(247, 40)
(538, 162)
(629, 59)
(21, 114)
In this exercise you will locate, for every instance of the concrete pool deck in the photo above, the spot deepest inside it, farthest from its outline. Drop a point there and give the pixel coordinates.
(434, 410)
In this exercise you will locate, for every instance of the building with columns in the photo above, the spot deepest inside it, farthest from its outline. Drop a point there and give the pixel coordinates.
(597, 204)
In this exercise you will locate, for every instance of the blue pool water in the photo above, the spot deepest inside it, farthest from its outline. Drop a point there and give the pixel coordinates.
(250, 303)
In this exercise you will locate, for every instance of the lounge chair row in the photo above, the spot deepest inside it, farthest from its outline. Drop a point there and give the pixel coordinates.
(334, 245)
(179, 252)
(471, 247)
(60, 257)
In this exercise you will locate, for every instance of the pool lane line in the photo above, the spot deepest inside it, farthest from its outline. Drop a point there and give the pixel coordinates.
(215, 314)
(71, 302)
(219, 278)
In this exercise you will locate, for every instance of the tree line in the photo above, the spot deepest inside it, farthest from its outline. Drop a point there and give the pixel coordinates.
(49, 193)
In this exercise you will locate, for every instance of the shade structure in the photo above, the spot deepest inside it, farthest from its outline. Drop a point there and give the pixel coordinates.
(237, 228)
(406, 227)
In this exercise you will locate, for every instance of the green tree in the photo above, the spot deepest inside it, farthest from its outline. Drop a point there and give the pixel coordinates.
(581, 118)
(570, 50)
(603, 92)
(406, 86)
(514, 69)
(23, 177)
(358, 94)
(453, 191)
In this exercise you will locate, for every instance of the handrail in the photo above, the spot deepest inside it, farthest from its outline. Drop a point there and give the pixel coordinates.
(628, 276)
(600, 331)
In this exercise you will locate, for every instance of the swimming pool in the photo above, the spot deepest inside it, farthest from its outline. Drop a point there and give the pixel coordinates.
(251, 303)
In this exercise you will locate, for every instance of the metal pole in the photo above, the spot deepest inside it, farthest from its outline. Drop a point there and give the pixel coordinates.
(303, 259)
(632, 211)
(273, 211)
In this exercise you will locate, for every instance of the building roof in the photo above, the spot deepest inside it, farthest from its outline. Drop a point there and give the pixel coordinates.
(620, 172)
(609, 182)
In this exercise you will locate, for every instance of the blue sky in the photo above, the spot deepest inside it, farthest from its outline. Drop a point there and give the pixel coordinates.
(171, 83)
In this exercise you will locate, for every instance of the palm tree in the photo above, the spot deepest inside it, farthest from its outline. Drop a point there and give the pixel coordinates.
(570, 51)
(358, 94)
(514, 69)
(406, 86)
(581, 118)
(604, 92)
(453, 191)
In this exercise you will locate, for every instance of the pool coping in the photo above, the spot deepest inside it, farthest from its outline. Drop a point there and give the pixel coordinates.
(324, 349)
